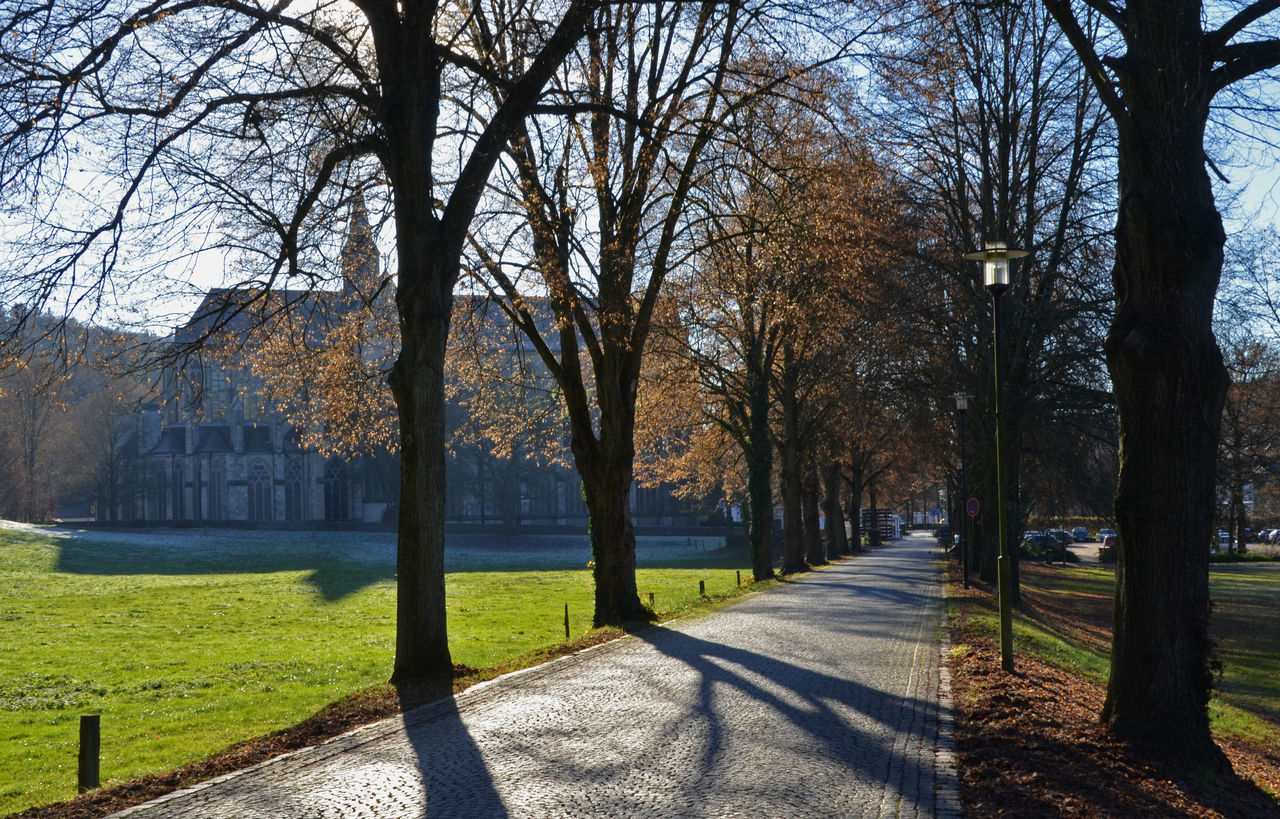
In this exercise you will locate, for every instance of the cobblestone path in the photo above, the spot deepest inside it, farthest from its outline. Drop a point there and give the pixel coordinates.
(820, 699)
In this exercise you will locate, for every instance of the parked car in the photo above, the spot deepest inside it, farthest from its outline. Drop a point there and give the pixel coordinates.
(1107, 551)
(1038, 541)
(1059, 540)
(1103, 534)
(1080, 534)
(1062, 536)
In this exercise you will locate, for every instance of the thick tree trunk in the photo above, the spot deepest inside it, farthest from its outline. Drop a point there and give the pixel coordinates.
(607, 492)
(606, 465)
(815, 555)
(836, 545)
(856, 486)
(417, 380)
(789, 452)
(760, 503)
(1170, 385)
(792, 526)
(759, 456)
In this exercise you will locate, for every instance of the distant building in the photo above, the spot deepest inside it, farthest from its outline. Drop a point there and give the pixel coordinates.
(211, 450)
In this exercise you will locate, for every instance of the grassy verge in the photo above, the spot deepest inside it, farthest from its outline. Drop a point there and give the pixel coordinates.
(1065, 622)
(185, 653)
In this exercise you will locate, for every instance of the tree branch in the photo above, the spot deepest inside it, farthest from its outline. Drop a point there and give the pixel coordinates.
(1243, 60)
(1066, 19)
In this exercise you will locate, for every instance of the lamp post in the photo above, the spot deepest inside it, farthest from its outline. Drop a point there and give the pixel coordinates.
(962, 406)
(995, 257)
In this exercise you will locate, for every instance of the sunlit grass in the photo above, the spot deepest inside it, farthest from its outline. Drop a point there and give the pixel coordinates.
(189, 650)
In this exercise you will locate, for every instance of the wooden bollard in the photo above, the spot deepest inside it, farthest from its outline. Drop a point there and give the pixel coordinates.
(739, 578)
(90, 748)
(702, 588)
(650, 599)
(566, 621)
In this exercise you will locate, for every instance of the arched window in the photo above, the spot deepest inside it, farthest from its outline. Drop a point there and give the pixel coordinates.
(259, 491)
(218, 490)
(293, 505)
(337, 491)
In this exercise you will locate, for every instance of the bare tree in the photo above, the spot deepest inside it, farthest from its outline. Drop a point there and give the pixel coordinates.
(1158, 68)
(244, 128)
(1001, 136)
(604, 198)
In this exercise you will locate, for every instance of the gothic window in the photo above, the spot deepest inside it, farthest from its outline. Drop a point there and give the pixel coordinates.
(337, 491)
(259, 491)
(293, 505)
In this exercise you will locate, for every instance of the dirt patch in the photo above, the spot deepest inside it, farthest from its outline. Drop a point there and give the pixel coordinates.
(1030, 743)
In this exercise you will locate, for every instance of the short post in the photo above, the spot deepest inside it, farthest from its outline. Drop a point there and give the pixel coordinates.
(566, 621)
(650, 599)
(739, 578)
(90, 747)
(702, 588)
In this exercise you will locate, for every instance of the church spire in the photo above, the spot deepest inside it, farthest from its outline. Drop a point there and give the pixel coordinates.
(360, 254)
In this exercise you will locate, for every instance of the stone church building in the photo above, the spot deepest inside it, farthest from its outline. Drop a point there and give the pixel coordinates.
(212, 451)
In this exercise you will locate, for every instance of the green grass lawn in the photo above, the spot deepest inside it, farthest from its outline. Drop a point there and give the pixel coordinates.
(1246, 598)
(187, 649)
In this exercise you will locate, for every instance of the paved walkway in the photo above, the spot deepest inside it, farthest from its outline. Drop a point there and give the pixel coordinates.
(820, 699)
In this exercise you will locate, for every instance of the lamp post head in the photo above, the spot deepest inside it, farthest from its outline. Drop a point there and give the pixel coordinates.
(995, 257)
(962, 401)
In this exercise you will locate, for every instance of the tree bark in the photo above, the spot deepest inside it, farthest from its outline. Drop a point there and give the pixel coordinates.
(815, 554)
(1170, 385)
(836, 545)
(613, 547)
(856, 486)
(760, 488)
(874, 523)
(417, 379)
(792, 502)
(792, 528)
(606, 464)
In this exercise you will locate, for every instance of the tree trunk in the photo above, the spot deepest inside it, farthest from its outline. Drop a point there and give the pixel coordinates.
(607, 492)
(1239, 520)
(1170, 384)
(760, 499)
(759, 456)
(417, 380)
(815, 555)
(606, 463)
(856, 486)
(874, 523)
(1013, 508)
(836, 545)
(792, 528)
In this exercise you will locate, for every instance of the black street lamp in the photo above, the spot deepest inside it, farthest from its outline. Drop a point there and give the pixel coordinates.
(995, 257)
(962, 406)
